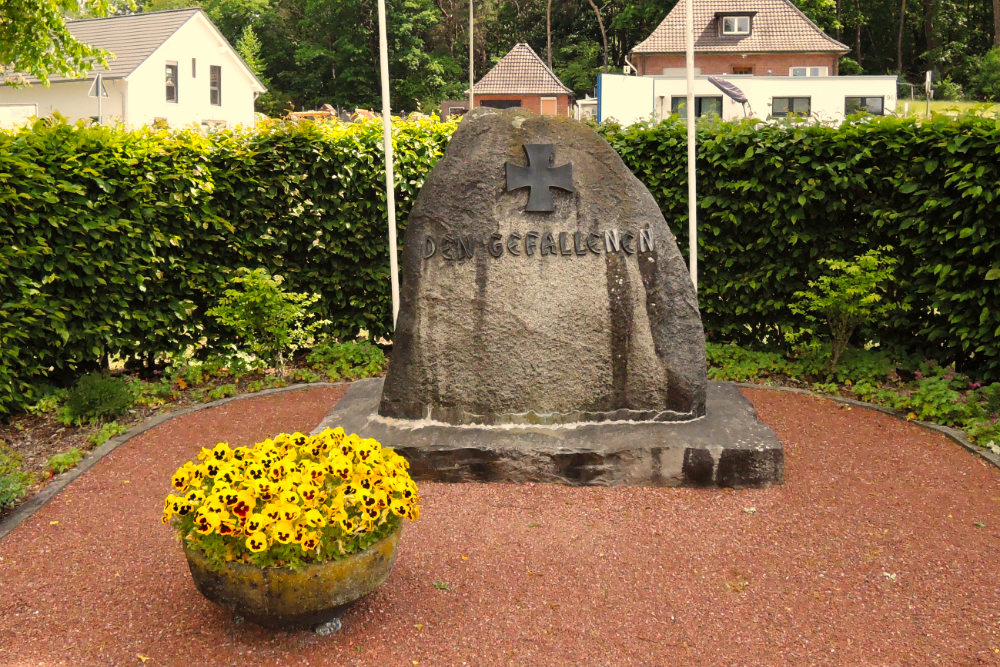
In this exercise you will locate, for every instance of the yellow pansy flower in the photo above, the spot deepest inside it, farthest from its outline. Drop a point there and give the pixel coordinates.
(257, 542)
(256, 523)
(181, 480)
(221, 452)
(309, 541)
(314, 518)
(283, 531)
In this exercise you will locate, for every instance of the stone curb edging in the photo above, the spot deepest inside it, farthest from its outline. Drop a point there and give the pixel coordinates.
(952, 433)
(90, 458)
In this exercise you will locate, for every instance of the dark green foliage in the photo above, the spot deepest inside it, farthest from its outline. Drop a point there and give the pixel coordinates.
(96, 396)
(774, 199)
(116, 243)
(14, 482)
(347, 361)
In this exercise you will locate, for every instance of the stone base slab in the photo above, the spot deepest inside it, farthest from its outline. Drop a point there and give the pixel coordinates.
(728, 447)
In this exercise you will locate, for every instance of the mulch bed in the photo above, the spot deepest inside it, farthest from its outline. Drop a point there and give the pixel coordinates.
(880, 548)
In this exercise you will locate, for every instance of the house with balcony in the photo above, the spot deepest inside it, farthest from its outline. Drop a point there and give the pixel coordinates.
(761, 58)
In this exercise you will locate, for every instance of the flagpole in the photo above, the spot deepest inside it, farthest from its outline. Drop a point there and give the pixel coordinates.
(390, 190)
(471, 68)
(692, 200)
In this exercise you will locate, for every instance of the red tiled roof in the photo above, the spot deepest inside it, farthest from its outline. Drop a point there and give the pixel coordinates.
(777, 26)
(520, 72)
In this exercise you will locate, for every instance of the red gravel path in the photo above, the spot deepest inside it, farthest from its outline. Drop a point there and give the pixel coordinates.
(869, 554)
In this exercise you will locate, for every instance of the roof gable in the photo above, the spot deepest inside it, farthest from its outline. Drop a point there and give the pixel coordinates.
(520, 72)
(778, 26)
(133, 38)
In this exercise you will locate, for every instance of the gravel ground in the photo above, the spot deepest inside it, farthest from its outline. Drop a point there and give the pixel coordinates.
(881, 548)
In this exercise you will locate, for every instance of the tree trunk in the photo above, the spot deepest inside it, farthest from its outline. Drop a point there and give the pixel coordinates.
(996, 23)
(857, 31)
(899, 36)
(840, 31)
(604, 36)
(548, 31)
(930, 41)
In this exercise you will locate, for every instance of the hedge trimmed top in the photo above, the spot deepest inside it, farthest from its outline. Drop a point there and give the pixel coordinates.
(115, 242)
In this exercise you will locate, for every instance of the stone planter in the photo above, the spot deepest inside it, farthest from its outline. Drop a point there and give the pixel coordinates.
(310, 597)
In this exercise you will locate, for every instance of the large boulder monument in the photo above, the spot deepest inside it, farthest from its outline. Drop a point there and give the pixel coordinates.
(549, 329)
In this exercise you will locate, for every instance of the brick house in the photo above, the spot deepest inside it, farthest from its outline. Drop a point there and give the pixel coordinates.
(522, 79)
(777, 59)
(756, 37)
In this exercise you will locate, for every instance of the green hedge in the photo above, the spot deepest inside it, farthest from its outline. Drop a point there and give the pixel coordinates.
(114, 243)
(773, 199)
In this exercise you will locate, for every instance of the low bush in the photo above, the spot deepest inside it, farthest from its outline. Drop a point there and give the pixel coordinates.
(347, 361)
(95, 397)
(14, 482)
(60, 463)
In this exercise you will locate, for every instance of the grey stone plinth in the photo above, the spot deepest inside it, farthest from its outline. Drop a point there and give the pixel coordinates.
(729, 447)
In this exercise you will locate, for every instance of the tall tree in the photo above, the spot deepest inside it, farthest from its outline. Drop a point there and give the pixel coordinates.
(34, 39)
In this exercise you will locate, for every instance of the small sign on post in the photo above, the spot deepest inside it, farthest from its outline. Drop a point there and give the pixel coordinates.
(98, 84)
(98, 90)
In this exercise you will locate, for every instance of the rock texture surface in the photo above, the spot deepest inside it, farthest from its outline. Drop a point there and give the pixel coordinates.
(727, 448)
(584, 313)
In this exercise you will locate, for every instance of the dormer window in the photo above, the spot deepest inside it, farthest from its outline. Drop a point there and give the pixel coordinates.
(735, 23)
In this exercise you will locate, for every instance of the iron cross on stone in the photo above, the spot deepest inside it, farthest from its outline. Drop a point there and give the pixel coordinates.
(540, 175)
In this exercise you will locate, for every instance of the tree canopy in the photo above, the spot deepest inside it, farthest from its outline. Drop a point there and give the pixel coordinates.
(34, 39)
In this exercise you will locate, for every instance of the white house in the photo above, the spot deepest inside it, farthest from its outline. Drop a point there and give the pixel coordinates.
(171, 66)
(766, 52)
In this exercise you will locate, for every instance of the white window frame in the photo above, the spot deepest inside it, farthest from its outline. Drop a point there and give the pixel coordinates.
(790, 112)
(177, 87)
(739, 27)
(864, 106)
(213, 69)
(808, 70)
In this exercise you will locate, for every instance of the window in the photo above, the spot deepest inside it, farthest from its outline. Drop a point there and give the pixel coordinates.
(872, 105)
(735, 25)
(703, 106)
(171, 82)
(784, 106)
(194, 68)
(548, 106)
(807, 71)
(742, 69)
(215, 85)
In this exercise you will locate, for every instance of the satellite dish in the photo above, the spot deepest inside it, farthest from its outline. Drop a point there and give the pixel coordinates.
(731, 91)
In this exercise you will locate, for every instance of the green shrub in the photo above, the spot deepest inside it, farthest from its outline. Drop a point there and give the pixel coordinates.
(95, 397)
(349, 360)
(986, 80)
(222, 391)
(851, 294)
(270, 322)
(60, 463)
(108, 431)
(14, 482)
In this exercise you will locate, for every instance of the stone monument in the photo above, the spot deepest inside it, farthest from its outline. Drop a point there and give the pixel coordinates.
(548, 328)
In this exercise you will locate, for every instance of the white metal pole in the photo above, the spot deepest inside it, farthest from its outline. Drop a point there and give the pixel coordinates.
(692, 190)
(471, 68)
(390, 190)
